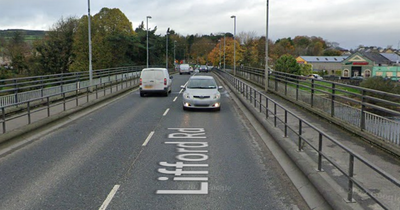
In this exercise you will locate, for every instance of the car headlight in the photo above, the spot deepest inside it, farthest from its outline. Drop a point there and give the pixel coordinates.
(217, 96)
(186, 95)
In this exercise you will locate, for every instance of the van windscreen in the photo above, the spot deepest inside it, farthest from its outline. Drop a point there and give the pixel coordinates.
(152, 75)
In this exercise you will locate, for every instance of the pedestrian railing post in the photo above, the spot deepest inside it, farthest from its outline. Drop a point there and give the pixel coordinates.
(3, 115)
(351, 174)
(319, 152)
(286, 123)
(300, 133)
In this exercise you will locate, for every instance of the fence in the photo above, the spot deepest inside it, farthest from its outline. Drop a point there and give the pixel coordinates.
(26, 97)
(280, 118)
(350, 104)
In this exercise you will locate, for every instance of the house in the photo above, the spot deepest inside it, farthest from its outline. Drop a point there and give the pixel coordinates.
(324, 64)
(390, 72)
(362, 63)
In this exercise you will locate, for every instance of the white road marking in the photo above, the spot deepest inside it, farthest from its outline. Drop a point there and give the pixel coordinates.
(148, 139)
(176, 98)
(109, 197)
(166, 112)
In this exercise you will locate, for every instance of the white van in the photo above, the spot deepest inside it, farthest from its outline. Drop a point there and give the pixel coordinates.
(184, 69)
(155, 80)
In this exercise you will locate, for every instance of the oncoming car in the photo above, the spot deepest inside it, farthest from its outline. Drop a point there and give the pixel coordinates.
(201, 92)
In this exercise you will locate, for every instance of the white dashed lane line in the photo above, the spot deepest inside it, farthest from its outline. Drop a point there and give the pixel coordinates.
(109, 197)
(148, 139)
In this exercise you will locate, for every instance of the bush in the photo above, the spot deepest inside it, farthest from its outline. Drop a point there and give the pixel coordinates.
(382, 84)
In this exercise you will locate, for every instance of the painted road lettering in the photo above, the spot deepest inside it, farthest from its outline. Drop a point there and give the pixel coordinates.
(191, 154)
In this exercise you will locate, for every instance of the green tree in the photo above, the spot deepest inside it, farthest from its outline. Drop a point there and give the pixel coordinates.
(306, 69)
(112, 39)
(55, 50)
(331, 52)
(18, 51)
(287, 63)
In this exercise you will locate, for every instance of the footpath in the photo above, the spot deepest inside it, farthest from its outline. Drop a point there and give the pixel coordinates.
(386, 192)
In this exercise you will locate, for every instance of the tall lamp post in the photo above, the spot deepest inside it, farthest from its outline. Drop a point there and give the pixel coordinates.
(147, 48)
(90, 49)
(266, 72)
(219, 52)
(166, 50)
(224, 49)
(174, 52)
(234, 44)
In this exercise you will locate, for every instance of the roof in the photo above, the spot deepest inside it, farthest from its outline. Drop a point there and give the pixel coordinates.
(201, 77)
(376, 57)
(324, 59)
(393, 57)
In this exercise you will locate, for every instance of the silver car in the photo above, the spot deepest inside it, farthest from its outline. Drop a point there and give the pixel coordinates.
(201, 92)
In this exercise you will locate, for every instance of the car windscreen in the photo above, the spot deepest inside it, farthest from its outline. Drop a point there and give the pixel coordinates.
(201, 84)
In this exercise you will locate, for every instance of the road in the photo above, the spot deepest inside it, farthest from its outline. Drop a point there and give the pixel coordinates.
(147, 153)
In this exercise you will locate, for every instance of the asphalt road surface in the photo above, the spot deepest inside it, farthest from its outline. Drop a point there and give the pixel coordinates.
(147, 153)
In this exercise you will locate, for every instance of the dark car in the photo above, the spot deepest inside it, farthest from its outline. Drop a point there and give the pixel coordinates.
(203, 68)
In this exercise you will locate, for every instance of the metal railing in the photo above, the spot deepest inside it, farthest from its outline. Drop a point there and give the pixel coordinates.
(279, 116)
(24, 98)
(20, 90)
(350, 104)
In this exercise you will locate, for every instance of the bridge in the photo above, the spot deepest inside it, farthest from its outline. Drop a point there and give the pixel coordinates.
(68, 144)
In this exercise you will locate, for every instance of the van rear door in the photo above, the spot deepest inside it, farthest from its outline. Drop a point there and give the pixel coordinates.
(153, 80)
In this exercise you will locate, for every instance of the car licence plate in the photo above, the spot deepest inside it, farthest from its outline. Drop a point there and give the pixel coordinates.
(148, 86)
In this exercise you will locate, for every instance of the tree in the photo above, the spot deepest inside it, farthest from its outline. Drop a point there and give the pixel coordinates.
(287, 63)
(213, 56)
(112, 39)
(55, 50)
(18, 50)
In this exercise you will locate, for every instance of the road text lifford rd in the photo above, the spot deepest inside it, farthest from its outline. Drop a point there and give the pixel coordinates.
(192, 154)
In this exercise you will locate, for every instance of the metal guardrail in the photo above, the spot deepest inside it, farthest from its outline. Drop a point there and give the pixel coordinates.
(279, 116)
(335, 100)
(24, 97)
(20, 90)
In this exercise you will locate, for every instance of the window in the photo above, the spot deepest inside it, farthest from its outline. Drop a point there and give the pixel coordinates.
(367, 73)
(346, 73)
(389, 74)
(379, 73)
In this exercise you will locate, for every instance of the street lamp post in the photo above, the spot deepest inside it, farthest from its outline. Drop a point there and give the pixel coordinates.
(219, 52)
(266, 72)
(90, 49)
(147, 48)
(174, 52)
(166, 50)
(224, 49)
(234, 44)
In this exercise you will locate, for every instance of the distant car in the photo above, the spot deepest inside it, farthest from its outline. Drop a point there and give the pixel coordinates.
(184, 69)
(201, 92)
(357, 78)
(203, 68)
(316, 76)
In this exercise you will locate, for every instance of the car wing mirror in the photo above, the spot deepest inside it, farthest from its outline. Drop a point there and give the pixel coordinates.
(183, 87)
(220, 87)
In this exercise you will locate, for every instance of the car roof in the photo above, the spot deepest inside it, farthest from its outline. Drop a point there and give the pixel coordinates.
(201, 77)
(150, 69)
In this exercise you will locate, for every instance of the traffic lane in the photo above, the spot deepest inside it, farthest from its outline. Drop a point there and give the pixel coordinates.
(232, 170)
(72, 167)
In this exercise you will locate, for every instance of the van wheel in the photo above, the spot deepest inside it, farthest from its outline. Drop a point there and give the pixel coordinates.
(141, 94)
(166, 93)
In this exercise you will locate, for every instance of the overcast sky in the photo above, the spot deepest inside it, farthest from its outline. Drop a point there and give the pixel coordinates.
(349, 22)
